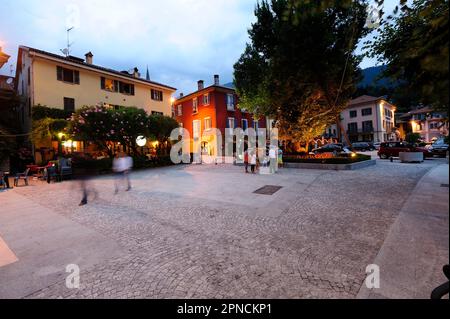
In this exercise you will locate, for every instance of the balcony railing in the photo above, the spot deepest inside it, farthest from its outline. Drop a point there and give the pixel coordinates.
(366, 130)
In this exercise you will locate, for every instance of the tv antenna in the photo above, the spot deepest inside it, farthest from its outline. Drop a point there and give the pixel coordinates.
(66, 51)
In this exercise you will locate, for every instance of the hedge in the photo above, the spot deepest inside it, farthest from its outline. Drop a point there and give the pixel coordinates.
(104, 166)
(332, 160)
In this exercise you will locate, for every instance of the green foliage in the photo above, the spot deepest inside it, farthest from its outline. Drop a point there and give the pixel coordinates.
(46, 129)
(161, 126)
(415, 47)
(412, 138)
(103, 125)
(300, 67)
(41, 112)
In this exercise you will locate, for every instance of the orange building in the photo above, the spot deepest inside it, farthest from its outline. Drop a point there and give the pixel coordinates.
(215, 106)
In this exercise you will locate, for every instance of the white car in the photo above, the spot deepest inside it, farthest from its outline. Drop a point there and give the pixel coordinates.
(377, 145)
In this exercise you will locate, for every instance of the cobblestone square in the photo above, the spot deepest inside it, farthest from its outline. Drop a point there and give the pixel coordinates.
(201, 232)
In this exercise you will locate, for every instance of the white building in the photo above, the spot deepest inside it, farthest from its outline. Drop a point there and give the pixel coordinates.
(429, 124)
(368, 119)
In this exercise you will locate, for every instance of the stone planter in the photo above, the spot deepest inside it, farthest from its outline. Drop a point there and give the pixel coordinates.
(337, 167)
(411, 157)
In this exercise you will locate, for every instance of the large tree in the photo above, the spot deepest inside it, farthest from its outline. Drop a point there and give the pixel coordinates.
(300, 67)
(414, 45)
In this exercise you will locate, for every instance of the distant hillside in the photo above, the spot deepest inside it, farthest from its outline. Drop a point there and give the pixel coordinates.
(229, 85)
(370, 76)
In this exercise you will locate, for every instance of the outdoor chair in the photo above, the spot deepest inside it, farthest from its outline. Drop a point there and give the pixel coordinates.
(64, 168)
(23, 176)
(2, 181)
(51, 173)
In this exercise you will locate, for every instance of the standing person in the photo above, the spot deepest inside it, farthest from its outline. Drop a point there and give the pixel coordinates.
(246, 160)
(253, 161)
(272, 159)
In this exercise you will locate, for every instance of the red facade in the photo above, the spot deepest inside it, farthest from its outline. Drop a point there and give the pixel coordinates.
(222, 110)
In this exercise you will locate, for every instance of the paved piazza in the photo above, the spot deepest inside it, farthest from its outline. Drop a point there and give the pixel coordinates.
(200, 232)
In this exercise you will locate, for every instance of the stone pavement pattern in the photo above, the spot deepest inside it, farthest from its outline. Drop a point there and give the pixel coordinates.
(200, 232)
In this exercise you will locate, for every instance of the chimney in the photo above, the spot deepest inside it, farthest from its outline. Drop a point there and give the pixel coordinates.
(181, 95)
(201, 85)
(136, 73)
(89, 57)
(216, 80)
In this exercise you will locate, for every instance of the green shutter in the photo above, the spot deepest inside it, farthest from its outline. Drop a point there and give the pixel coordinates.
(59, 73)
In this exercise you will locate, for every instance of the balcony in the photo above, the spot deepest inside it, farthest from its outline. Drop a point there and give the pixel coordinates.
(366, 130)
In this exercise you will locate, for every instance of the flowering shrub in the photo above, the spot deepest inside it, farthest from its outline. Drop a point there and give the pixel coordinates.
(104, 126)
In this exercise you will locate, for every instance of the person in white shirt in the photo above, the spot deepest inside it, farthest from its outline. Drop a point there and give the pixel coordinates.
(253, 161)
(122, 165)
(273, 159)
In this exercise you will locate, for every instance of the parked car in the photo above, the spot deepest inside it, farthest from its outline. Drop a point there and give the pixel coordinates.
(392, 149)
(361, 146)
(439, 148)
(371, 146)
(377, 145)
(336, 149)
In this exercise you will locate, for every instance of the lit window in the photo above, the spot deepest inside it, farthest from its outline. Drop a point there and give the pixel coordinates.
(207, 123)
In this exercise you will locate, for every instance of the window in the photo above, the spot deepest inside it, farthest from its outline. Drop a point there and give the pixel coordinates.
(67, 75)
(180, 110)
(196, 129)
(206, 99)
(109, 84)
(387, 113)
(207, 123)
(244, 124)
(69, 104)
(353, 114)
(157, 113)
(29, 76)
(126, 88)
(195, 105)
(230, 102)
(230, 122)
(156, 95)
(366, 112)
(353, 127)
(367, 126)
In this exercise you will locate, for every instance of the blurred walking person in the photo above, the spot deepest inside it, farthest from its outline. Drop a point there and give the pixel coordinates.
(122, 165)
(83, 174)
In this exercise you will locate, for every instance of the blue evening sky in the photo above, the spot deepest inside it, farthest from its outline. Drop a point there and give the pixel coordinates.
(181, 41)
